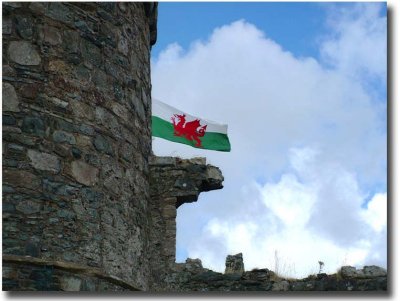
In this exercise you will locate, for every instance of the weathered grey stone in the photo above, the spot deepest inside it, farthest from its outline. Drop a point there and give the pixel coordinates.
(28, 207)
(118, 92)
(114, 70)
(15, 147)
(13, 4)
(123, 46)
(59, 12)
(71, 41)
(86, 129)
(59, 188)
(23, 53)
(112, 184)
(54, 220)
(38, 7)
(6, 188)
(66, 126)
(76, 152)
(214, 178)
(24, 26)
(59, 67)
(186, 184)
(7, 25)
(8, 71)
(9, 208)
(70, 284)
(137, 106)
(52, 35)
(66, 214)
(100, 79)
(162, 161)
(91, 53)
(107, 119)
(234, 264)
(11, 129)
(350, 272)
(83, 141)
(44, 161)
(193, 265)
(197, 160)
(61, 137)
(84, 173)
(21, 178)
(29, 91)
(169, 212)
(61, 150)
(9, 120)
(59, 102)
(10, 98)
(281, 286)
(32, 248)
(103, 145)
(120, 111)
(374, 271)
(33, 125)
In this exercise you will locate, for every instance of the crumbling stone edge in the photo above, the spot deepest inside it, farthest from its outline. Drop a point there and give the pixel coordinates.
(69, 267)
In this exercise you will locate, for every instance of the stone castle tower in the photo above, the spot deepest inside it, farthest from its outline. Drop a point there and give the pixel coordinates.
(76, 143)
(79, 210)
(86, 207)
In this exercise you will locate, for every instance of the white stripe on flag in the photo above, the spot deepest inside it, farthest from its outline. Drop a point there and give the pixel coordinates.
(164, 111)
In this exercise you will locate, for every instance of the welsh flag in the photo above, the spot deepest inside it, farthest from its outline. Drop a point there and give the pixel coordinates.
(174, 125)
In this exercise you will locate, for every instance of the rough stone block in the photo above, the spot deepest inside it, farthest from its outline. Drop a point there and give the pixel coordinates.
(23, 53)
(197, 160)
(28, 207)
(84, 173)
(162, 161)
(38, 8)
(33, 125)
(63, 137)
(169, 212)
(120, 111)
(7, 25)
(70, 284)
(350, 272)
(21, 178)
(10, 98)
(59, 12)
(234, 264)
(44, 161)
(52, 35)
(24, 27)
(374, 271)
(103, 145)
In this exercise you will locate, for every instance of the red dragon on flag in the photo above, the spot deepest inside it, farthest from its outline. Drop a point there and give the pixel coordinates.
(191, 130)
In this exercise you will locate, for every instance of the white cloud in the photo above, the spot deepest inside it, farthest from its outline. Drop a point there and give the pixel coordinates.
(308, 147)
(376, 213)
(358, 47)
(308, 224)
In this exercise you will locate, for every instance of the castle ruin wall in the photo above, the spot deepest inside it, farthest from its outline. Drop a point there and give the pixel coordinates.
(77, 137)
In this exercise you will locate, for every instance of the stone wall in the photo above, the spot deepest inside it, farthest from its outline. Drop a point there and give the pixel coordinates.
(192, 277)
(76, 134)
(173, 182)
(34, 274)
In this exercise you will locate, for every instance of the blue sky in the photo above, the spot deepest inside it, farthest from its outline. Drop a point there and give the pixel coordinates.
(302, 87)
(276, 19)
(296, 26)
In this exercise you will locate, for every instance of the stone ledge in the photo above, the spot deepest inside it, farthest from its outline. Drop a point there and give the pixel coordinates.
(69, 267)
(162, 161)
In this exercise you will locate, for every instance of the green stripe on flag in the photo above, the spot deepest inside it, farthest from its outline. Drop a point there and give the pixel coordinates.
(213, 141)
